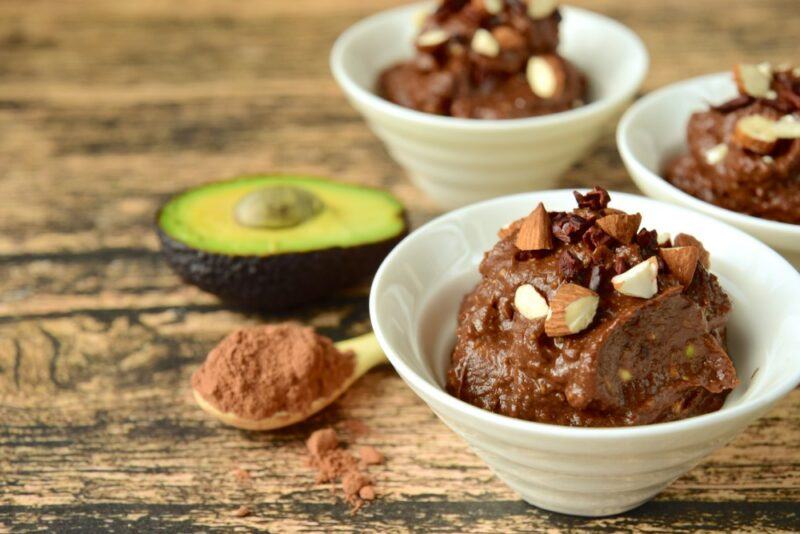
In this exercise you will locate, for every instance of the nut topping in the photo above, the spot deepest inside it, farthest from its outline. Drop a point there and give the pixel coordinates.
(572, 309)
(684, 240)
(540, 9)
(484, 43)
(530, 303)
(682, 262)
(753, 80)
(621, 227)
(755, 133)
(788, 127)
(545, 76)
(641, 280)
(431, 39)
(493, 7)
(716, 153)
(535, 233)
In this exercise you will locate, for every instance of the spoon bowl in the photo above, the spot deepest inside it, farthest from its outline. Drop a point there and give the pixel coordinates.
(367, 354)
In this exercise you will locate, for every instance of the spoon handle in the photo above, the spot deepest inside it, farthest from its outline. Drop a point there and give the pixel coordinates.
(368, 352)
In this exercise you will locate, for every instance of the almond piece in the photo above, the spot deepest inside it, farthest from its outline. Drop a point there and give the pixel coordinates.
(753, 80)
(530, 303)
(621, 226)
(716, 153)
(431, 39)
(540, 9)
(508, 38)
(572, 309)
(641, 280)
(545, 76)
(688, 240)
(535, 232)
(493, 7)
(484, 43)
(682, 262)
(756, 133)
(788, 127)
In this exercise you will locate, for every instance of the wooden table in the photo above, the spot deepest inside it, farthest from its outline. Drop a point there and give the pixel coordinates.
(106, 108)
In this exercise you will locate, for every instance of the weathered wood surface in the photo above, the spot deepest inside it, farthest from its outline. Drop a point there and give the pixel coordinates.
(106, 108)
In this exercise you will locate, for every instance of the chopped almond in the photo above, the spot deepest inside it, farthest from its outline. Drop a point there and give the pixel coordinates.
(540, 9)
(753, 80)
(508, 38)
(535, 232)
(484, 43)
(432, 39)
(756, 133)
(530, 303)
(572, 309)
(788, 127)
(641, 280)
(545, 76)
(682, 262)
(620, 226)
(684, 240)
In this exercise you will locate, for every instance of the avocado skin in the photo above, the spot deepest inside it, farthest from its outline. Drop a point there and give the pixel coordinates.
(276, 282)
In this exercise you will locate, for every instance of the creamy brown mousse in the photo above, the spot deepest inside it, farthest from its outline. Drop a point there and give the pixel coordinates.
(744, 155)
(582, 318)
(487, 59)
(259, 371)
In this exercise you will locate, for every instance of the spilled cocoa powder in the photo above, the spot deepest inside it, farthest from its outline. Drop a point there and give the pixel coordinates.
(336, 464)
(259, 371)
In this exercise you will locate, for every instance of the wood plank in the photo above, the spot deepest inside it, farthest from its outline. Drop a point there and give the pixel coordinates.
(106, 109)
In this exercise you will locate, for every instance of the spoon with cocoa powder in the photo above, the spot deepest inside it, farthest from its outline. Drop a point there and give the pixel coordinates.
(272, 376)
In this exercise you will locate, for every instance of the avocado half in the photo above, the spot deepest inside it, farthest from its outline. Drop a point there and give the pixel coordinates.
(339, 242)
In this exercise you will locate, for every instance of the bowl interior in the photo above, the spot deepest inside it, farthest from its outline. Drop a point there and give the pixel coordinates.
(611, 55)
(658, 132)
(653, 131)
(419, 288)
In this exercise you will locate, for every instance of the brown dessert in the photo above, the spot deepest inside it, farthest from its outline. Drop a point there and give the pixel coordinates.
(260, 371)
(487, 59)
(582, 318)
(744, 155)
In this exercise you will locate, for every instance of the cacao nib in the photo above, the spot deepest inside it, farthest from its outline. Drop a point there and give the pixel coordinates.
(620, 265)
(569, 266)
(648, 242)
(595, 237)
(596, 199)
(734, 104)
(568, 227)
(602, 256)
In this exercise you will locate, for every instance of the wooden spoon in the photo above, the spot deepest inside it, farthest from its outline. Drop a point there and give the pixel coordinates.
(367, 354)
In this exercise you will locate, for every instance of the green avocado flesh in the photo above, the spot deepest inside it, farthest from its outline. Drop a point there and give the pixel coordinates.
(203, 218)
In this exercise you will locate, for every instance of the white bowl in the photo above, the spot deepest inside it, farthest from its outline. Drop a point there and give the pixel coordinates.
(585, 471)
(458, 161)
(653, 131)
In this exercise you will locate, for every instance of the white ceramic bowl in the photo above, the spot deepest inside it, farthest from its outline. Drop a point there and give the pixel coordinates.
(458, 161)
(585, 471)
(653, 131)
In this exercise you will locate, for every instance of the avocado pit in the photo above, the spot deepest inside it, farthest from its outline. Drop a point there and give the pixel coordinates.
(280, 206)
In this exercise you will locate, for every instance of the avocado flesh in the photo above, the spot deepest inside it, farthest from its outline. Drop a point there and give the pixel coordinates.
(203, 218)
(275, 269)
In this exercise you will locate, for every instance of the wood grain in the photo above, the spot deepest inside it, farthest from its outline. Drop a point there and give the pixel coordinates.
(107, 108)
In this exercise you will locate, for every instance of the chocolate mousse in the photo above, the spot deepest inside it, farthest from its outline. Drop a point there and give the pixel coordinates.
(582, 318)
(744, 155)
(487, 59)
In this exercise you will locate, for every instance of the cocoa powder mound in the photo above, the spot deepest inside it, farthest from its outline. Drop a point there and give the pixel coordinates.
(333, 463)
(259, 371)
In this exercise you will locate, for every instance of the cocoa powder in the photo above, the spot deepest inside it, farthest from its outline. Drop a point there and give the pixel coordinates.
(259, 371)
(333, 463)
